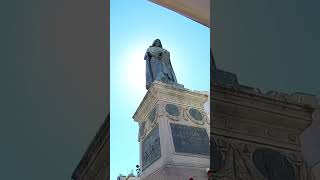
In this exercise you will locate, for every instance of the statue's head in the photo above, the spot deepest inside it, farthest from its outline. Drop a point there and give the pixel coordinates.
(156, 43)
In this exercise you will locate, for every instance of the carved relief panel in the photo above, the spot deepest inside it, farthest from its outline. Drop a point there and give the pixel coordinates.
(148, 124)
(151, 150)
(239, 160)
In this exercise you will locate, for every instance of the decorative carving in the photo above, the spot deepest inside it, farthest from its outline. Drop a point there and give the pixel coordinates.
(292, 137)
(216, 161)
(260, 132)
(242, 126)
(273, 165)
(185, 114)
(151, 149)
(300, 98)
(142, 129)
(237, 164)
(250, 161)
(152, 116)
(207, 117)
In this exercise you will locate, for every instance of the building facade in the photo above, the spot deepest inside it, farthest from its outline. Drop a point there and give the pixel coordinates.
(95, 163)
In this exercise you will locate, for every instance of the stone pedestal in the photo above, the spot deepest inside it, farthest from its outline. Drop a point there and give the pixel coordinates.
(173, 134)
(256, 135)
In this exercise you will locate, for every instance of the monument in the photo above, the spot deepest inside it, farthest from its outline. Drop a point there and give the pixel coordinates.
(158, 65)
(255, 134)
(174, 128)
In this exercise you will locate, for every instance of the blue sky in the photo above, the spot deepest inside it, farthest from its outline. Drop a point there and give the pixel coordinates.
(134, 25)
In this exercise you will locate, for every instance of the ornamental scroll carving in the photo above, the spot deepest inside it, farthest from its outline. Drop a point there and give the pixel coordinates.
(176, 112)
(250, 161)
(151, 149)
(142, 130)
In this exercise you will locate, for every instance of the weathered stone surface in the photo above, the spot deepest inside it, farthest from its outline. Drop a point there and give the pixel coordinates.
(152, 115)
(177, 160)
(246, 160)
(142, 129)
(151, 150)
(273, 165)
(245, 121)
(216, 159)
(192, 140)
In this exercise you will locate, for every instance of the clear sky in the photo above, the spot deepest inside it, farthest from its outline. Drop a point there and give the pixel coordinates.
(135, 24)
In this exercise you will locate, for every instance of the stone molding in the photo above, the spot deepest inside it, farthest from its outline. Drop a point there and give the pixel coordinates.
(246, 120)
(265, 118)
(159, 91)
(159, 95)
(268, 110)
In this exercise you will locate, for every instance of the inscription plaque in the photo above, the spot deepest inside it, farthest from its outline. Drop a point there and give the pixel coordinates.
(191, 140)
(151, 150)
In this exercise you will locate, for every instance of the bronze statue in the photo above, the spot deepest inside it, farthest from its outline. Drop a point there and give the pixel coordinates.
(158, 65)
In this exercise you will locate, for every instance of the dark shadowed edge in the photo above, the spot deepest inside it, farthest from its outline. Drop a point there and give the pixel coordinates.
(100, 139)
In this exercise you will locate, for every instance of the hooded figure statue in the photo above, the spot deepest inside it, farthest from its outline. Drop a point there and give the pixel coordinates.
(158, 65)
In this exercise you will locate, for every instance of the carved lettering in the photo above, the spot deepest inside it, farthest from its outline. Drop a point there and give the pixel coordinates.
(192, 140)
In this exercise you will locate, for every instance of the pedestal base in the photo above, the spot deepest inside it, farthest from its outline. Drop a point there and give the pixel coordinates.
(173, 134)
(178, 173)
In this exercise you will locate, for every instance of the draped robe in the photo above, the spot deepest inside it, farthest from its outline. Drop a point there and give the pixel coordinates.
(158, 66)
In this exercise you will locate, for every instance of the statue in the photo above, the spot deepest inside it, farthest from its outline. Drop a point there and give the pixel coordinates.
(158, 65)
